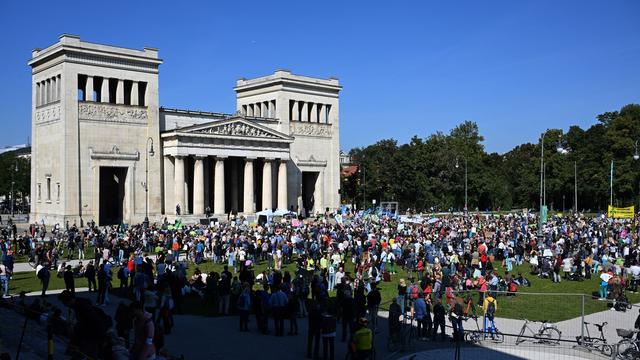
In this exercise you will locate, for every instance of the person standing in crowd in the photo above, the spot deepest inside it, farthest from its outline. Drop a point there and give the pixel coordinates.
(373, 302)
(439, 314)
(278, 303)
(315, 331)
(419, 313)
(244, 306)
(69, 281)
(144, 333)
(44, 275)
(328, 335)
(489, 307)
(90, 274)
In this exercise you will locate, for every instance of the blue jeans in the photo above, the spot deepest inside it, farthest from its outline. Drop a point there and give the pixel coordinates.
(4, 284)
(332, 280)
(489, 325)
(458, 329)
(401, 300)
(603, 290)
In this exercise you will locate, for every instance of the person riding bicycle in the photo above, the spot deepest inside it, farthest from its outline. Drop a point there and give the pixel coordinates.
(361, 341)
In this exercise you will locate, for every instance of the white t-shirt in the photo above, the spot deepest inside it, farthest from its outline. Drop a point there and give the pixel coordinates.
(605, 277)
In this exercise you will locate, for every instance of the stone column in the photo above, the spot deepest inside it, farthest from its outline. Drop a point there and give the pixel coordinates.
(295, 112)
(305, 112)
(248, 187)
(120, 92)
(169, 187)
(318, 195)
(198, 186)
(234, 184)
(134, 95)
(264, 109)
(88, 89)
(267, 198)
(314, 113)
(249, 109)
(54, 88)
(323, 114)
(179, 185)
(104, 92)
(270, 109)
(218, 195)
(282, 185)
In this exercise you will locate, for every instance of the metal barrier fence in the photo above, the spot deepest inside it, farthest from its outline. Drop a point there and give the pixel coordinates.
(530, 326)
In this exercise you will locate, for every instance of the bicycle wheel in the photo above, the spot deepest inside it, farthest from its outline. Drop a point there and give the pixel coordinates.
(549, 336)
(606, 350)
(519, 339)
(471, 337)
(626, 349)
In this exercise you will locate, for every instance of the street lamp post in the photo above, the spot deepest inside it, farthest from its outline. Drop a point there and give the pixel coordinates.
(560, 149)
(148, 152)
(13, 182)
(636, 156)
(466, 198)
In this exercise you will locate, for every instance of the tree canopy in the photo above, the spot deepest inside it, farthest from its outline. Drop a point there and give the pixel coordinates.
(423, 175)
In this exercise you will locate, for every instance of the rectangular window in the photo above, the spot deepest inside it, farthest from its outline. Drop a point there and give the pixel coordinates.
(113, 88)
(48, 189)
(328, 112)
(82, 85)
(142, 92)
(39, 191)
(128, 84)
(58, 192)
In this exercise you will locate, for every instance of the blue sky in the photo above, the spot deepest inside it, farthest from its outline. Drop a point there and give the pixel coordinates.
(407, 67)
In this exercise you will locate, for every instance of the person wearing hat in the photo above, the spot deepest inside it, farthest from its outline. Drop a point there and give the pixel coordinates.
(69, 281)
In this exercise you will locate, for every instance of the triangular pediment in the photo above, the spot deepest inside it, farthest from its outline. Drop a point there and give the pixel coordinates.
(236, 127)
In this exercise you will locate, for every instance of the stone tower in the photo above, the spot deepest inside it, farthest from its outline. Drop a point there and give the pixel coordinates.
(94, 121)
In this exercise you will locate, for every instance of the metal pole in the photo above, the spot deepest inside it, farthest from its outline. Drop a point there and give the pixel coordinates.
(364, 194)
(582, 316)
(466, 209)
(13, 181)
(575, 186)
(611, 185)
(24, 328)
(541, 180)
(544, 185)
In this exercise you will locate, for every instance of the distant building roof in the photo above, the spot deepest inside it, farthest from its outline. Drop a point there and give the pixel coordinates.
(21, 150)
(348, 170)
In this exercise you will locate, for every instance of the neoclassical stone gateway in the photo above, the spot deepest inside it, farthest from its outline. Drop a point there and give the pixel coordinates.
(104, 150)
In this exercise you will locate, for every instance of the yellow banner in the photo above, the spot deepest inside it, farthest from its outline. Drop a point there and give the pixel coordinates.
(621, 212)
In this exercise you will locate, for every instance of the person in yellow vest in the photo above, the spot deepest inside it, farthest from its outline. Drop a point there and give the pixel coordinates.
(311, 264)
(362, 341)
(324, 261)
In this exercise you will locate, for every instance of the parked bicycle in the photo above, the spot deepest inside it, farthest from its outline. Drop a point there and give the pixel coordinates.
(475, 336)
(628, 348)
(598, 344)
(548, 333)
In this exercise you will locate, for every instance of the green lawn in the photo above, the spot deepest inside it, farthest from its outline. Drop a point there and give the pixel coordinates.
(557, 307)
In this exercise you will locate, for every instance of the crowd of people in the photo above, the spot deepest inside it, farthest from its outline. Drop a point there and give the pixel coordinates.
(334, 266)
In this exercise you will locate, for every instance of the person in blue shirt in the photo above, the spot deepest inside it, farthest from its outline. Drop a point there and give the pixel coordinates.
(420, 313)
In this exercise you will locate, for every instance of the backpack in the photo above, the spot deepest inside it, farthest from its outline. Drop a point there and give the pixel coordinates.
(413, 291)
(491, 309)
